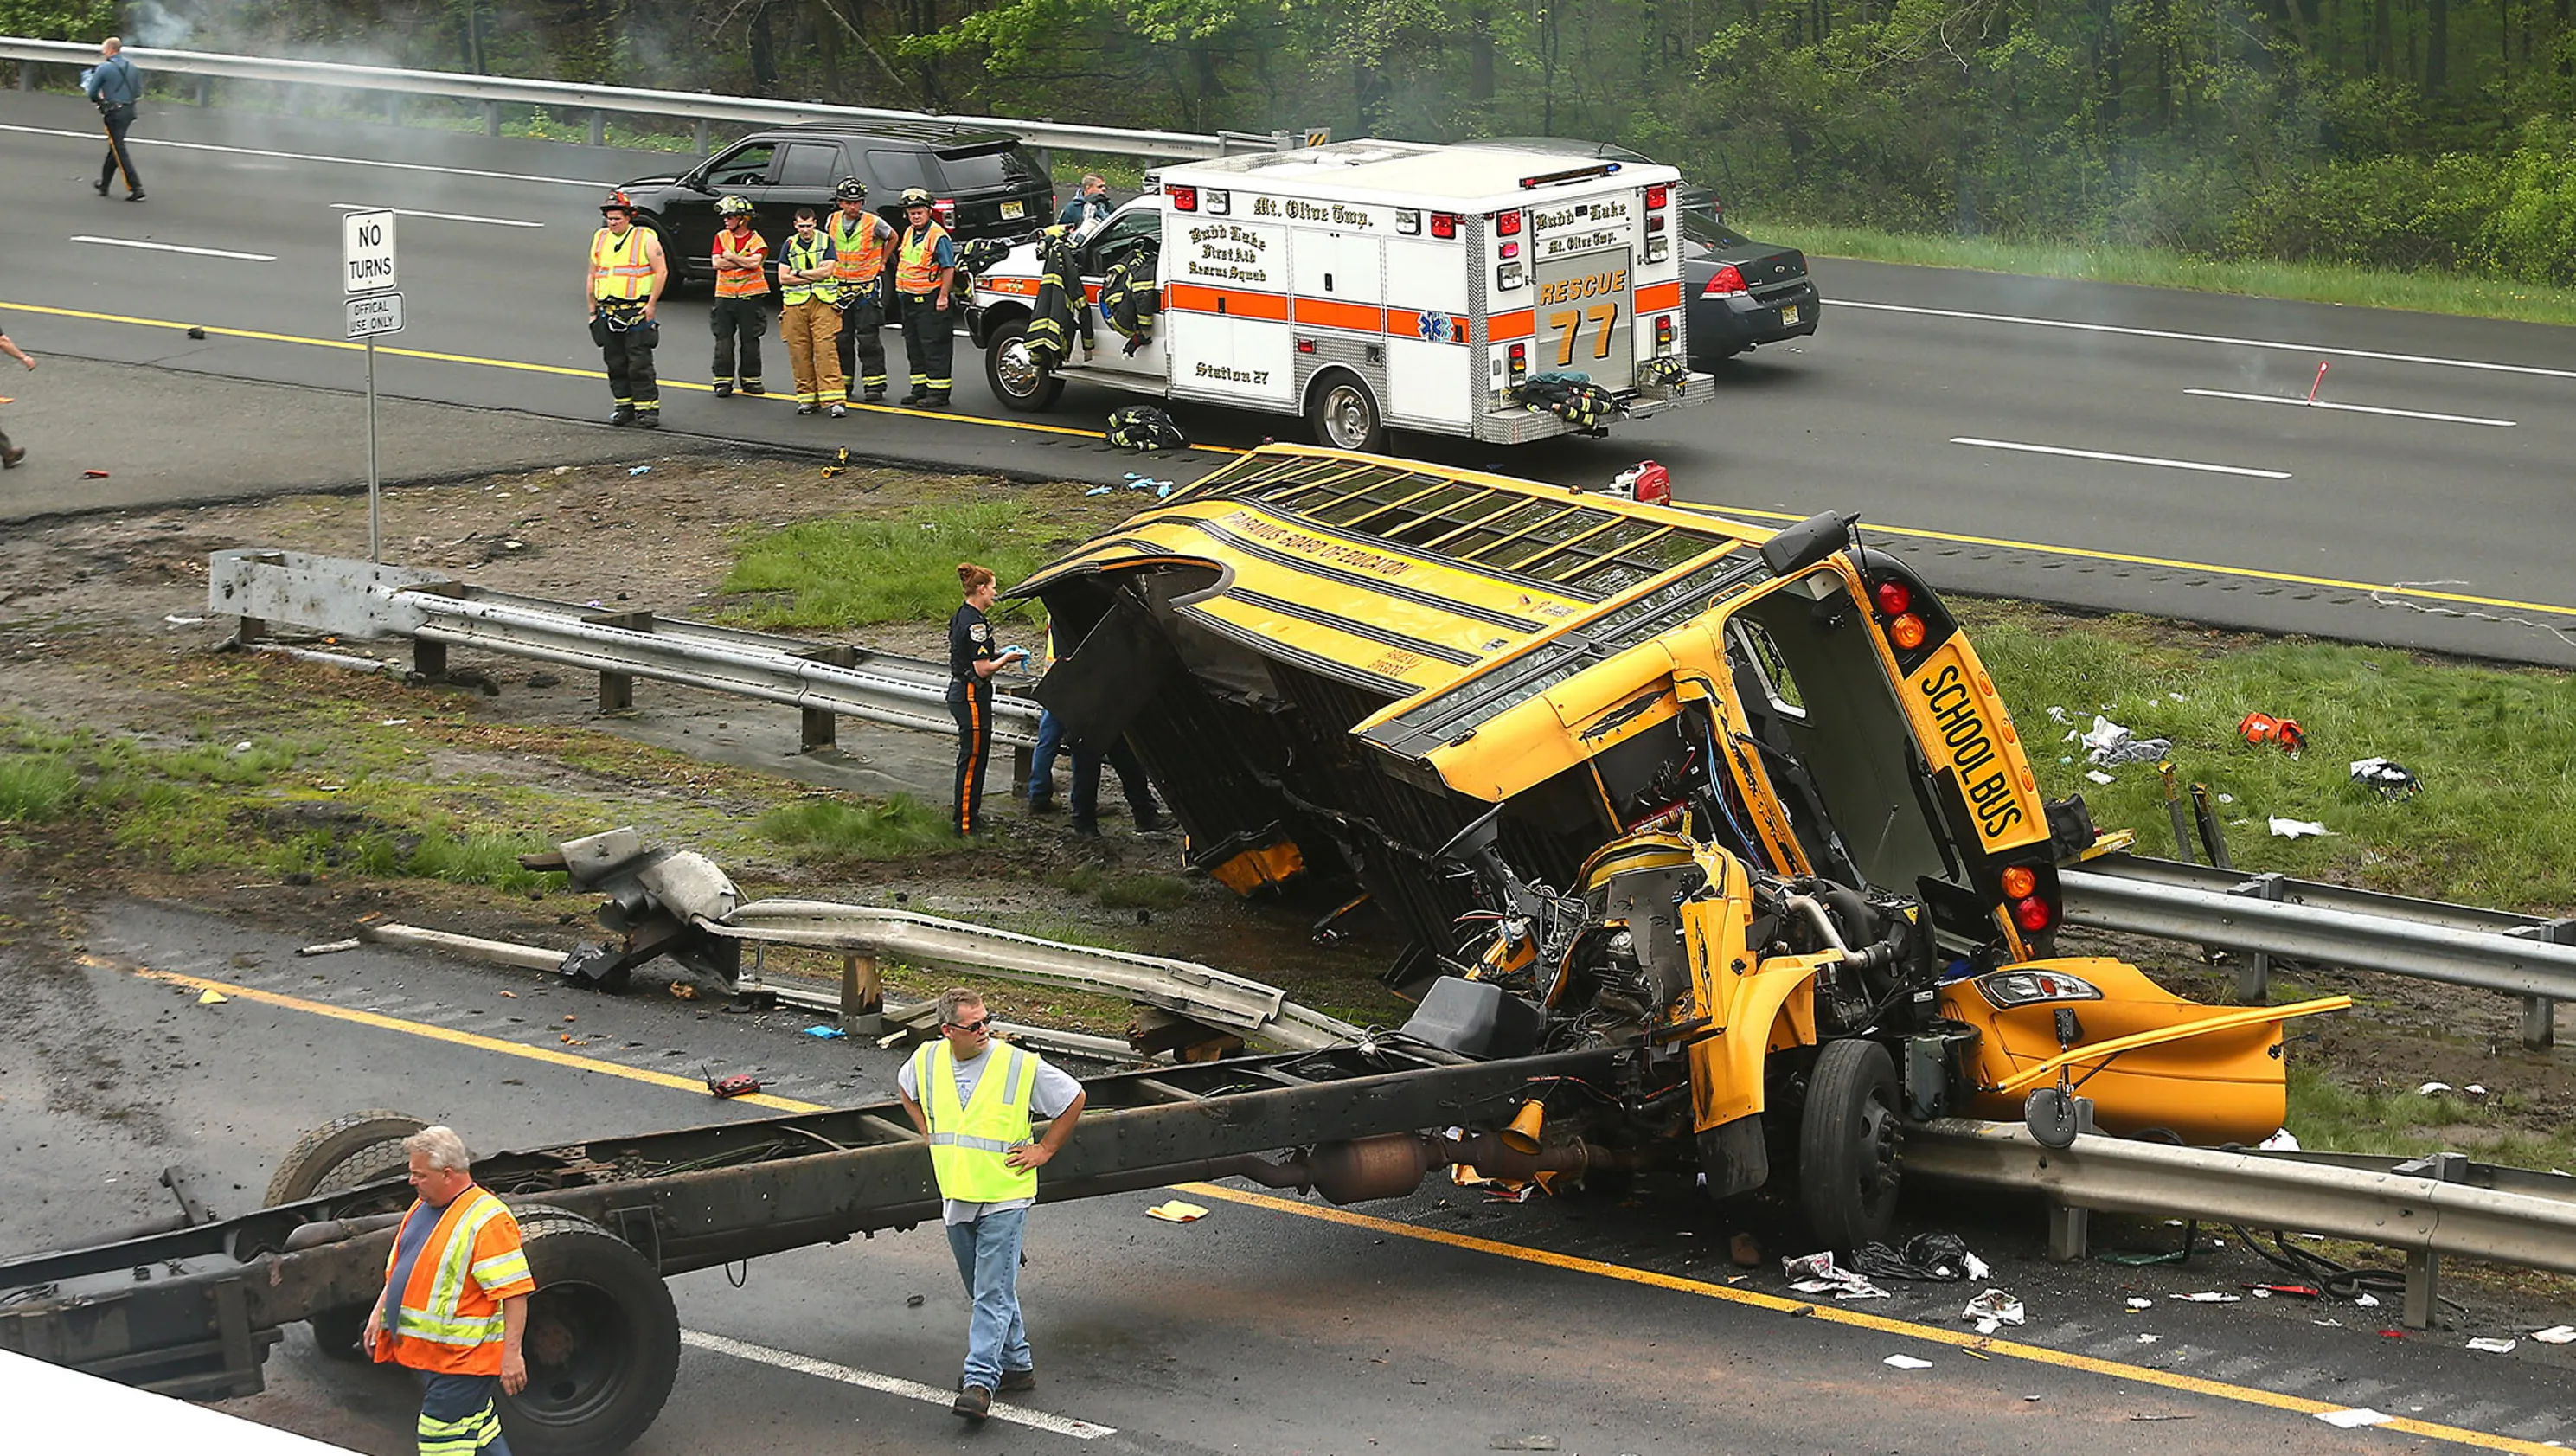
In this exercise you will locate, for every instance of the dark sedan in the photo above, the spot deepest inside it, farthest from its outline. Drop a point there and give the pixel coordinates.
(1742, 293)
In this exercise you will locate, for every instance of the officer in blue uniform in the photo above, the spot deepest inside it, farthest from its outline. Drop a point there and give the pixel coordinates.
(972, 661)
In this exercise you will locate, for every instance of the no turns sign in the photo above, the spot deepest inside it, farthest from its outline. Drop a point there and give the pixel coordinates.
(367, 248)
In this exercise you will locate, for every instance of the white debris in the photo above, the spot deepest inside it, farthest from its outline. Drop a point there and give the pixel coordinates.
(2360, 1415)
(2208, 1296)
(2474, 1090)
(2057, 714)
(2109, 745)
(2366, 1301)
(2136, 1303)
(2297, 828)
(2284, 1141)
(1992, 1309)
(177, 621)
(2430, 1089)
(1908, 1362)
(1817, 1273)
(2493, 1347)
(2099, 777)
(2149, 1339)
(2555, 1334)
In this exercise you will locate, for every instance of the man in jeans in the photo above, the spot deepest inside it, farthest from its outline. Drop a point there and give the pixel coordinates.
(973, 1098)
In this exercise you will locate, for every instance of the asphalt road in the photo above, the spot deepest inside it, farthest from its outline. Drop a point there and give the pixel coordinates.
(1430, 1325)
(2107, 447)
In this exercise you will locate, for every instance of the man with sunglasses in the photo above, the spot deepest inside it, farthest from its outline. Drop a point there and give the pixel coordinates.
(973, 1098)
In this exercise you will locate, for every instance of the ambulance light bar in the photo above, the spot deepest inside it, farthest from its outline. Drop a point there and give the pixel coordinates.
(1576, 174)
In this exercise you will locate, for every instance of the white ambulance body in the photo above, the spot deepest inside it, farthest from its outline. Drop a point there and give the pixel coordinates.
(1369, 284)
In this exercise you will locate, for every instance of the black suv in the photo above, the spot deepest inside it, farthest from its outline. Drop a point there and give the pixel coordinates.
(986, 184)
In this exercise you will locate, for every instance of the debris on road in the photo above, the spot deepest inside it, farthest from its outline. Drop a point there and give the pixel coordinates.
(2360, 1415)
(1744, 1251)
(2099, 777)
(330, 947)
(1907, 1362)
(2284, 1141)
(1992, 1309)
(212, 997)
(1817, 1274)
(1175, 1211)
(2259, 729)
(734, 1084)
(2109, 745)
(2493, 1346)
(2297, 828)
(93, 475)
(683, 991)
(2432, 1089)
(2555, 1334)
(915, 1301)
(2208, 1296)
(1522, 1443)
(2137, 1303)
(2388, 777)
(826, 1033)
(1931, 1257)
(641, 470)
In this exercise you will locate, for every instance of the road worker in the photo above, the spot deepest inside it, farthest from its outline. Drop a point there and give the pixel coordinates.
(972, 661)
(925, 265)
(624, 285)
(455, 1306)
(974, 1098)
(861, 241)
(741, 312)
(811, 323)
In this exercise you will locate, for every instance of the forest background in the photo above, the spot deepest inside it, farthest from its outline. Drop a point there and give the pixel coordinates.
(2434, 136)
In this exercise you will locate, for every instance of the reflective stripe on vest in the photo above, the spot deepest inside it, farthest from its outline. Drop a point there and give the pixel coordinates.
(916, 264)
(804, 257)
(446, 1319)
(859, 259)
(967, 1140)
(739, 282)
(620, 267)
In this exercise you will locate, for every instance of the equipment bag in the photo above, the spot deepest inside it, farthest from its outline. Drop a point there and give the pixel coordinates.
(1143, 427)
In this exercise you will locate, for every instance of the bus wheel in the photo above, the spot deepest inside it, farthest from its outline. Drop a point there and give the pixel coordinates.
(602, 1345)
(1018, 380)
(1344, 414)
(1848, 1139)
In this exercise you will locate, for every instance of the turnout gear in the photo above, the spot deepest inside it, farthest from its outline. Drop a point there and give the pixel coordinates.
(1143, 427)
(812, 323)
(915, 197)
(1130, 298)
(858, 267)
(732, 206)
(968, 1140)
(850, 189)
(741, 312)
(1057, 310)
(618, 201)
(1580, 402)
(621, 287)
(929, 338)
(981, 254)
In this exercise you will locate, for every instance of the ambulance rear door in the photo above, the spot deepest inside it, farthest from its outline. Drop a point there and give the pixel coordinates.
(1226, 262)
(1583, 262)
(1431, 370)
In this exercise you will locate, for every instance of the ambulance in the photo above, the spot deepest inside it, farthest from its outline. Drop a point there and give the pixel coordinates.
(1368, 285)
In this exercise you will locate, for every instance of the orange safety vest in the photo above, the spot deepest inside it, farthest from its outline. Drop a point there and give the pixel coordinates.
(916, 264)
(620, 268)
(859, 259)
(447, 1316)
(737, 283)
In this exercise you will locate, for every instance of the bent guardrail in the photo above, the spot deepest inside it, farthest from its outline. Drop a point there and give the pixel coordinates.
(695, 106)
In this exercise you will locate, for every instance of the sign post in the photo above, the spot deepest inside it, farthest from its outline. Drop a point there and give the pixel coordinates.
(367, 252)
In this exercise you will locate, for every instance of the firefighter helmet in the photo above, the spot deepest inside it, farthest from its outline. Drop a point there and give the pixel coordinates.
(618, 201)
(916, 197)
(851, 189)
(732, 206)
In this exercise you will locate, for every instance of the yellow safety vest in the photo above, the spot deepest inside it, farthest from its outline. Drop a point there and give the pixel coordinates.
(857, 259)
(620, 268)
(738, 283)
(805, 257)
(967, 1142)
(916, 264)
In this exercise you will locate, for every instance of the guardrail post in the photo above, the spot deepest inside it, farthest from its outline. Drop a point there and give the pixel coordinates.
(702, 136)
(393, 108)
(617, 689)
(201, 89)
(599, 128)
(2254, 973)
(27, 79)
(491, 118)
(2070, 1228)
(2539, 1013)
(428, 658)
(822, 726)
(862, 996)
(2424, 1266)
(1023, 762)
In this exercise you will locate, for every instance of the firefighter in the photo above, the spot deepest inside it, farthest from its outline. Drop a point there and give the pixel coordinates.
(455, 1306)
(972, 661)
(812, 320)
(924, 266)
(741, 312)
(627, 272)
(861, 241)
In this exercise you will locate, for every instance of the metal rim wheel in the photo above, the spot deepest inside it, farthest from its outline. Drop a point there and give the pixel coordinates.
(1849, 1139)
(344, 1153)
(1345, 415)
(1018, 381)
(603, 1341)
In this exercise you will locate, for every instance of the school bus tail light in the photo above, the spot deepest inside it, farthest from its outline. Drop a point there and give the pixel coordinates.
(1892, 598)
(1907, 632)
(2033, 914)
(2018, 882)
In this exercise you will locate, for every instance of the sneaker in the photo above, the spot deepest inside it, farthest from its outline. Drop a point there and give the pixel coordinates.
(723, 389)
(648, 419)
(837, 411)
(1020, 1379)
(134, 197)
(974, 1403)
(755, 389)
(809, 408)
(623, 417)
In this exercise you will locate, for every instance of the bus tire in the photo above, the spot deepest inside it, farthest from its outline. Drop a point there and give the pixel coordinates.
(1849, 1137)
(342, 1154)
(602, 1343)
(1343, 413)
(1018, 381)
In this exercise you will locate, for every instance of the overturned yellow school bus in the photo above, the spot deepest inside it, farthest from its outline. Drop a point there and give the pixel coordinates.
(1632, 774)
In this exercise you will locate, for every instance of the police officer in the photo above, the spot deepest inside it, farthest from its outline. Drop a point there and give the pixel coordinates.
(741, 312)
(971, 665)
(113, 85)
(925, 264)
(812, 319)
(861, 242)
(627, 271)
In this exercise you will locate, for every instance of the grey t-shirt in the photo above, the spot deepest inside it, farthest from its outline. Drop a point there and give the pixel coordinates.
(1054, 1093)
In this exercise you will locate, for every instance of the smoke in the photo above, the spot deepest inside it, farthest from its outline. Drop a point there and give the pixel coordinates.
(155, 26)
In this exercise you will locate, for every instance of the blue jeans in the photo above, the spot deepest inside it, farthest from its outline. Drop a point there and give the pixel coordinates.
(988, 1259)
(1042, 758)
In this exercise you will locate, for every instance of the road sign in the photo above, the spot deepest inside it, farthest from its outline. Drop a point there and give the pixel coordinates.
(1318, 136)
(371, 314)
(367, 247)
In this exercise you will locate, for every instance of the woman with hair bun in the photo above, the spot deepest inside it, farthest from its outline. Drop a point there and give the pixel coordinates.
(971, 665)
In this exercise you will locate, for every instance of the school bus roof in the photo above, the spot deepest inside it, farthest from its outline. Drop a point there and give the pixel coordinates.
(1475, 178)
(1432, 587)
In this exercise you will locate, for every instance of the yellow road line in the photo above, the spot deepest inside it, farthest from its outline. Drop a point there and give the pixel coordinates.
(449, 1035)
(1912, 532)
(1755, 1299)
(1839, 1315)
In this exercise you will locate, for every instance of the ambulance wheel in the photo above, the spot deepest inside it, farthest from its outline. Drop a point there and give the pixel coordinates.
(602, 1345)
(1848, 1139)
(1018, 381)
(1344, 414)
